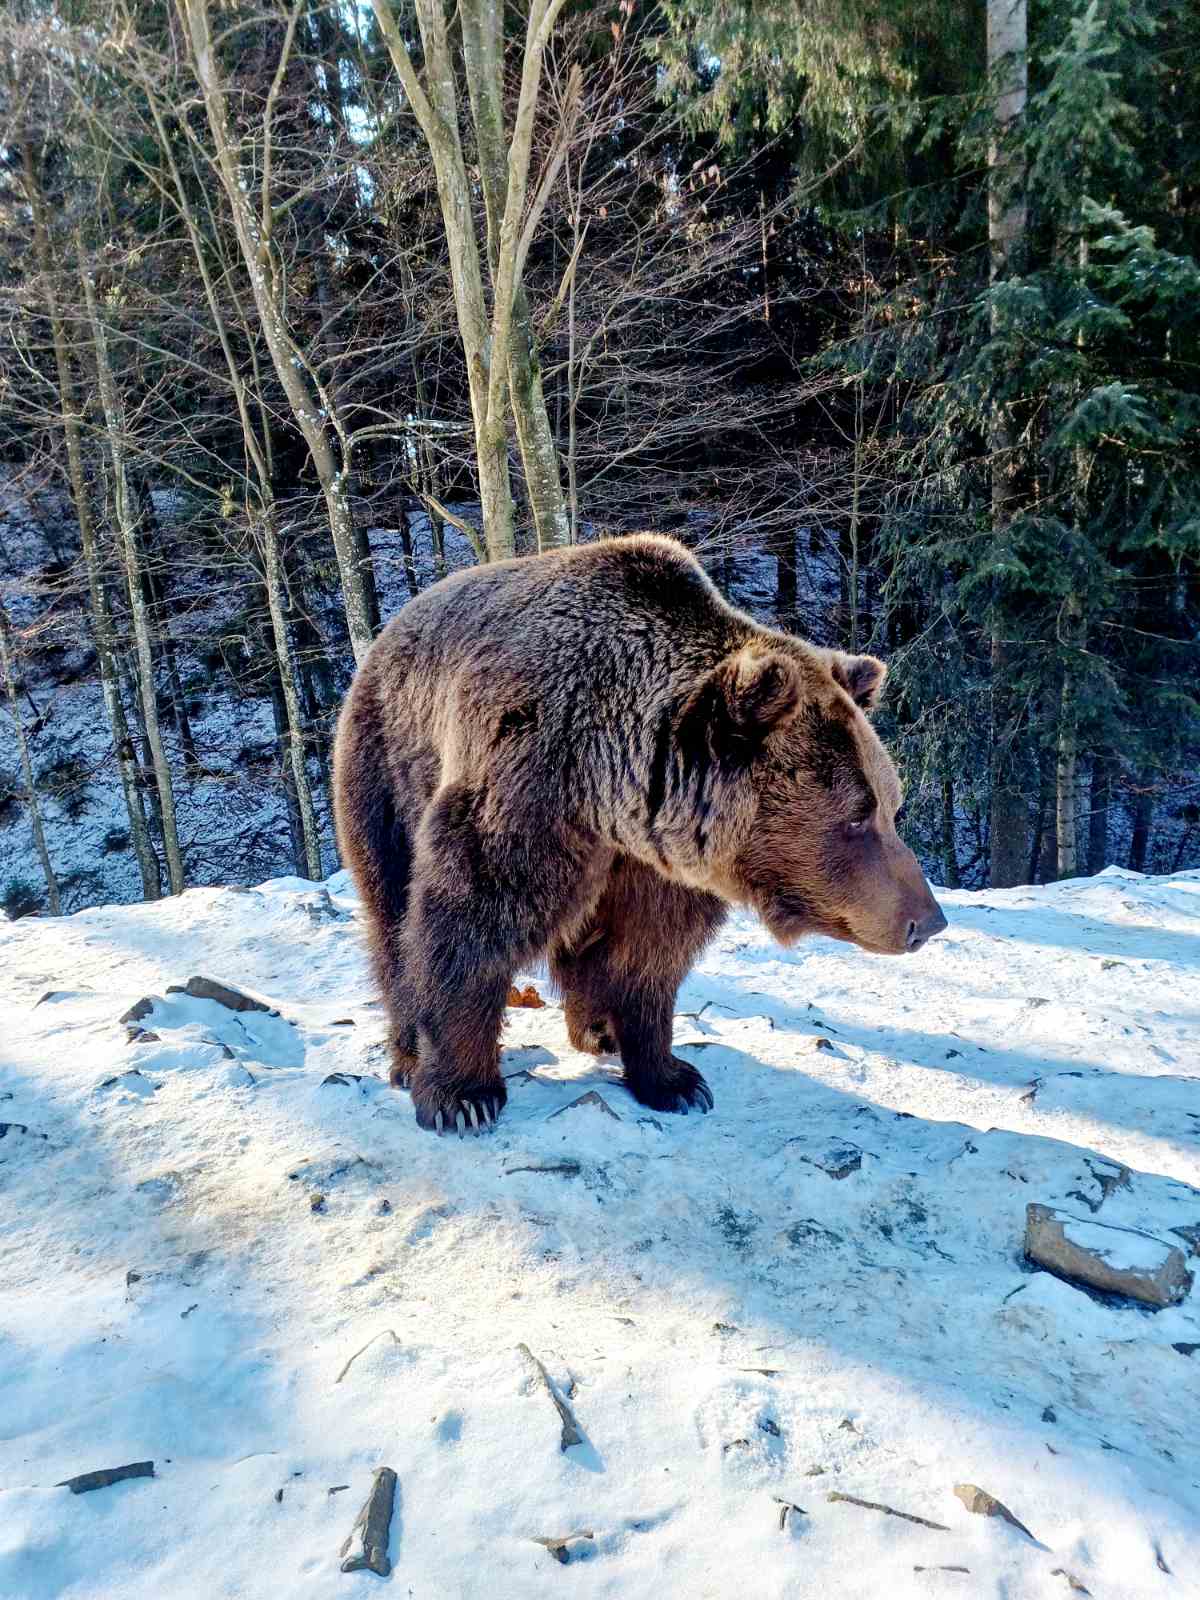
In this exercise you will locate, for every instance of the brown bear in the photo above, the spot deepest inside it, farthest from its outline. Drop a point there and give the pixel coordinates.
(590, 755)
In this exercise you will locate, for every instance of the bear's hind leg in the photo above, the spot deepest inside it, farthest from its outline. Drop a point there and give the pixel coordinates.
(483, 900)
(619, 984)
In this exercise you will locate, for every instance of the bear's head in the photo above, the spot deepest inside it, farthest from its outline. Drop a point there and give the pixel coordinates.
(817, 849)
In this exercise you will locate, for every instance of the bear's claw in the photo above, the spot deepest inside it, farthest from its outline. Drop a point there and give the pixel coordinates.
(474, 1115)
(678, 1091)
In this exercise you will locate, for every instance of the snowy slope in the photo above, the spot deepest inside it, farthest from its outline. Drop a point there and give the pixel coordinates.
(820, 1287)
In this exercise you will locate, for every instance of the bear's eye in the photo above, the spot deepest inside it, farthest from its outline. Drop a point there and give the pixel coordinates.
(856, 829)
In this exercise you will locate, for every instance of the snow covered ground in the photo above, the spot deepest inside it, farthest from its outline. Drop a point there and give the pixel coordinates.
(219, 1256)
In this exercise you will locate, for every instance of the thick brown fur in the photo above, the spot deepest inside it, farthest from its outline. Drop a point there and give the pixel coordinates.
(589, 755)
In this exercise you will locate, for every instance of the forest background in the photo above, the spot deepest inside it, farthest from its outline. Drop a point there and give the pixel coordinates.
(889, 311)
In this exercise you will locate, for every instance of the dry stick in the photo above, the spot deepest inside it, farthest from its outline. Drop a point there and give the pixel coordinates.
(570, 1428)
(367, 1346)
(889, 1511)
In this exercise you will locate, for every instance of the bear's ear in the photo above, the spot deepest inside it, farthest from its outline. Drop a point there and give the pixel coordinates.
(861, 677)
(756, 691)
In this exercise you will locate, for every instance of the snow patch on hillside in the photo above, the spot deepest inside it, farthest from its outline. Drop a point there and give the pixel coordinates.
(228, 1249)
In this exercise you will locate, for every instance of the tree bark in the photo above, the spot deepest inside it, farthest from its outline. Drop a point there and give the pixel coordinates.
(31, 795)
(1098, 818)
(102, 628)
(1007, 64)
(125, 514)
(501, 363)
(1067, 762)
(949, 843)
(309, 405)
(1143, 818)
(273, 572)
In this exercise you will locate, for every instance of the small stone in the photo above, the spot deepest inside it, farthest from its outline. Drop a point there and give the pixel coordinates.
(140, 1009)
(106, 1475)
(984, 1504)
(212, 989)
(1117, 1260)
(316, 1202)
(559, 1547)
(1073, 1582)
(372, 1530)
(342, 1079)
(384, 1207)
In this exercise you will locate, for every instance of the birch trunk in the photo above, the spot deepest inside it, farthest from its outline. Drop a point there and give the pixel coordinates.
(501, 362)
(258, 461)
(1007, 65)
(31, 795)
(308, 405)
(102, 626)
(291, 699)
(127, 528)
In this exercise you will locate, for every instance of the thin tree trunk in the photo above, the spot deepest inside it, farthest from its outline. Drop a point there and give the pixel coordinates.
(1098, 818)
(482, 25)
(786, 580)
(283, 656)
(949, 843)
(1007, 62)
(31, 795)
(1143, 819)
(1067, 762)
(283, 741)
(310, 406)
(127, 528)
(102, 628)
(156, 599)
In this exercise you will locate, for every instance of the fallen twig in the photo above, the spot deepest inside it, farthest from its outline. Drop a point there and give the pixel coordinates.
(570, 1428)
(888, 1511)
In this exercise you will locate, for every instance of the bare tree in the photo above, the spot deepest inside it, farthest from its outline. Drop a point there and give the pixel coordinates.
(501, 364)
(127, 521)
(313, 409)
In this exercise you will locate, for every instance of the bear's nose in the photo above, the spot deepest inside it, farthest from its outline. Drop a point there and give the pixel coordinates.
(920, 933)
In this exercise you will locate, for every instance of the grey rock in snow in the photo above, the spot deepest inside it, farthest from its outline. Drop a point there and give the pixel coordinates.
(105, 1476)
(1116, 1260)
(212, 989)
(139, 1009)
(369, 1536)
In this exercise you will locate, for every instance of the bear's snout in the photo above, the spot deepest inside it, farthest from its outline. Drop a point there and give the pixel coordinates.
(930, 925)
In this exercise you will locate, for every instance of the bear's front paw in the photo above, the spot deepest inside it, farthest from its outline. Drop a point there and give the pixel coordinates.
(443, 1109)
(676, 1088)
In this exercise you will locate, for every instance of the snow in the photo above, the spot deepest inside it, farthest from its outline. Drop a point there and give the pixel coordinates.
(818, 1287)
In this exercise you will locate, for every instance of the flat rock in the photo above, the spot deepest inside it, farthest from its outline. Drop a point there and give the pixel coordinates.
(106, 1475)
(366, 1548)
(224, 994)
(1116, 1260)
